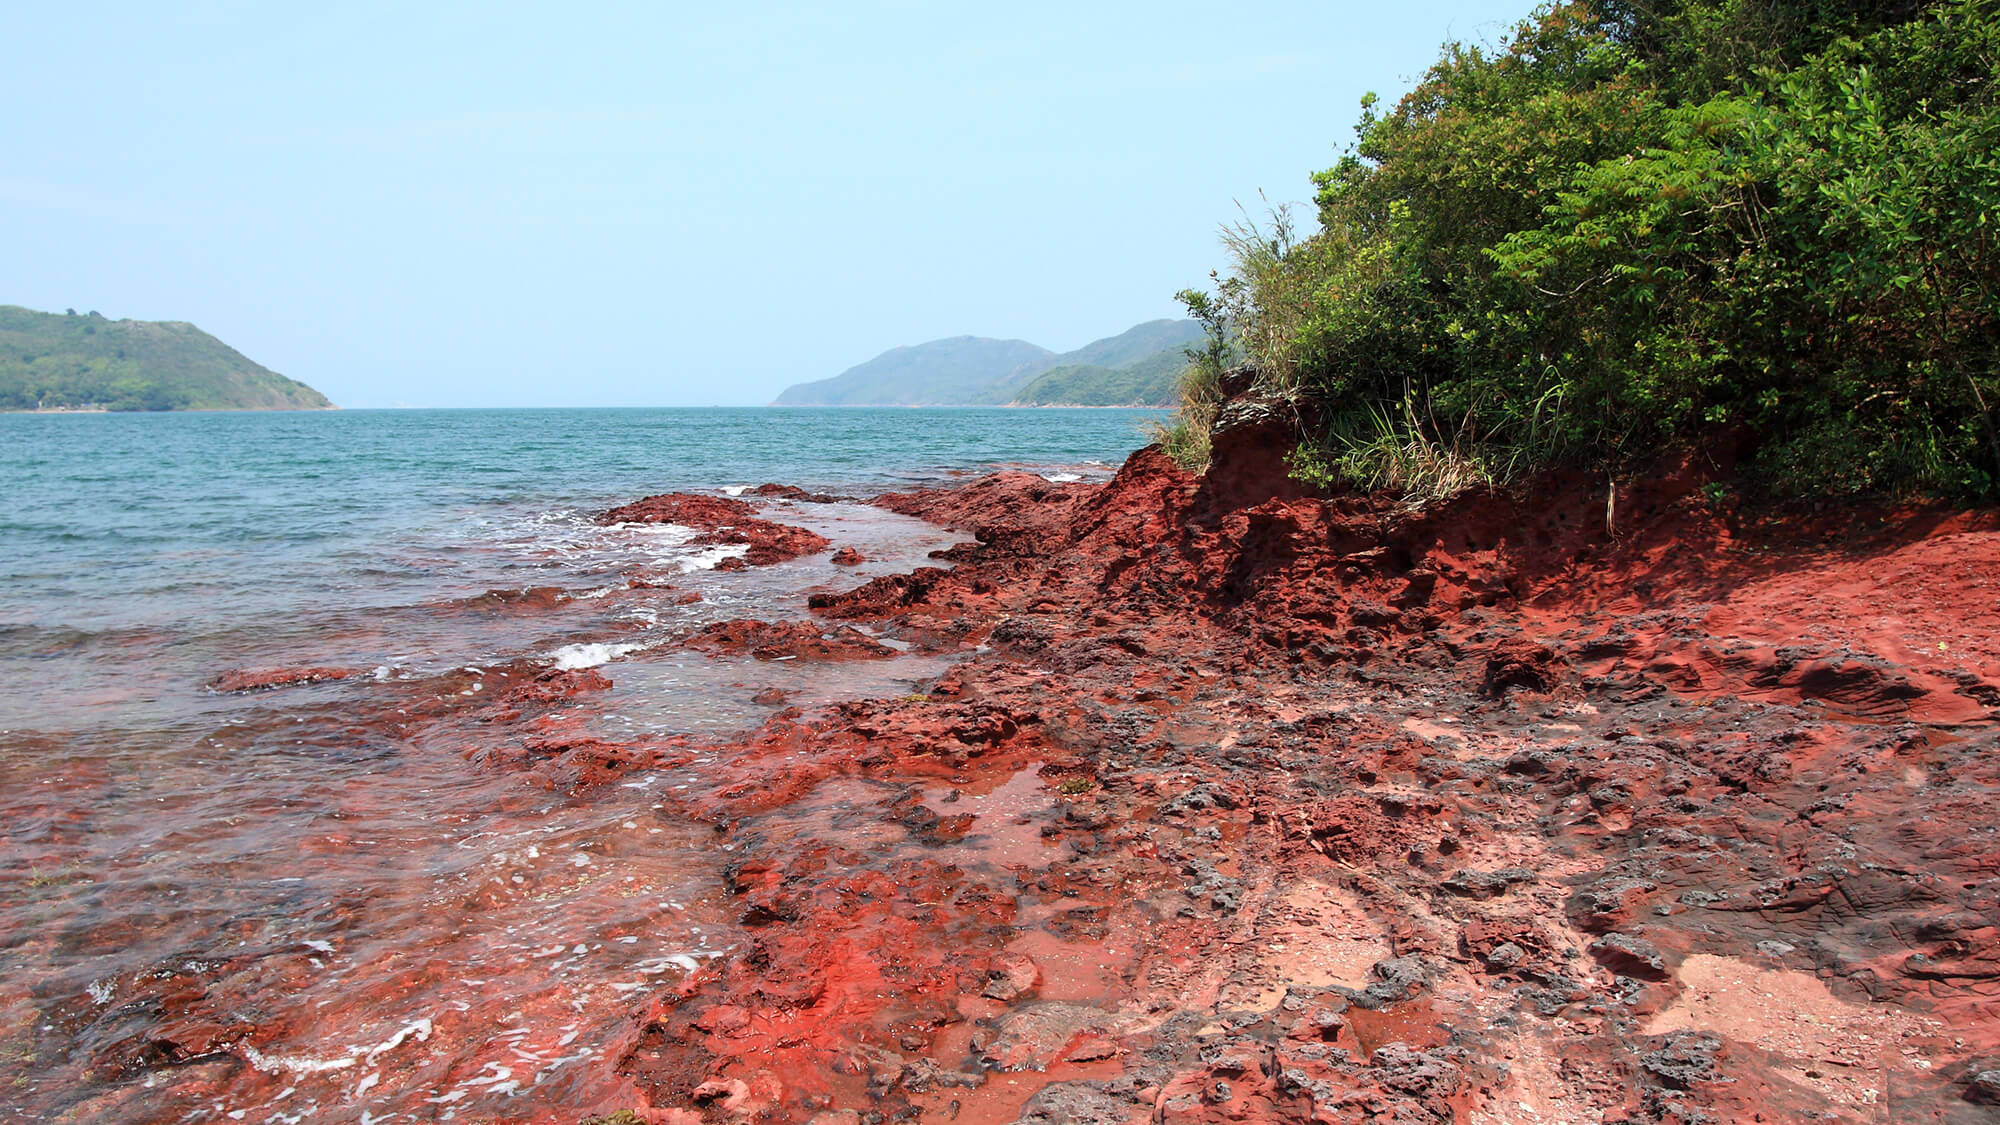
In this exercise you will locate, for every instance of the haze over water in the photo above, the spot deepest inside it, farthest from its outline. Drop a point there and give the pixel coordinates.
(347, 916)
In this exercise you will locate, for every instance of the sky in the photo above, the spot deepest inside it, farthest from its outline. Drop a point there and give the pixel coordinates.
(662, 204)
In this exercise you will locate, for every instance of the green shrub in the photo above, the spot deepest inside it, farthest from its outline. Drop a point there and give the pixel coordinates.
(1630, 228)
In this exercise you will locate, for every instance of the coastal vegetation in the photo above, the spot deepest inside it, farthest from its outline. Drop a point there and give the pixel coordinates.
(71, 361)
(1759, 232)
(1151, 381)
(1137, 367)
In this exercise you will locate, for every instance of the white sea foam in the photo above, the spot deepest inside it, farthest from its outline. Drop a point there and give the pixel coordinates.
(708, 557)
(734, 489)
(1062, 478)
(673, 533)
(296, 1064)
(569, 658)
(419, 1028)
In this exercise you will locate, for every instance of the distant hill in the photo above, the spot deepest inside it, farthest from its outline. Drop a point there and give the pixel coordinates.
(1140, 342)
(960, 371)
(1151, 381)
(1137, 367)
(51, 360)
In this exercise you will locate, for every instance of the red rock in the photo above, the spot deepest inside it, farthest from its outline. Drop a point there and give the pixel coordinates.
(532, 598)
(1393, 814)
(722, 521)
(263, 679)
(1011, 977)
(769, 640)
(794, 492)
(847, 556)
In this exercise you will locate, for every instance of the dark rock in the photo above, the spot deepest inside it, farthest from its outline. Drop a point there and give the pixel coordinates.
(1685, 1058)
(1076, 1103)
(1629, 956)
(1469, 883)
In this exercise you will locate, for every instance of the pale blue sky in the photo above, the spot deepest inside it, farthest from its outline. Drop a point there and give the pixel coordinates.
(653, 204)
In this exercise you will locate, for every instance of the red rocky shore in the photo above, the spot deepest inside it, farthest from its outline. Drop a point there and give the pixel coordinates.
(1241, 804)
(1249, 805)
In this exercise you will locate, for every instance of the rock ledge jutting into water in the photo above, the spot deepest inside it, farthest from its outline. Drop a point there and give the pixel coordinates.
(1303, 808)
(1213, 801)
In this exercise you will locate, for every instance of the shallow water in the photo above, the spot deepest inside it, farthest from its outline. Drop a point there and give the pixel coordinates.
(351, 916)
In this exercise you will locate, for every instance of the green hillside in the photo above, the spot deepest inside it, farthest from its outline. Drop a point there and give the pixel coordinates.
(954, 372)
(1140, 343)
(970, 370)
(51, 360)
(1151, 381)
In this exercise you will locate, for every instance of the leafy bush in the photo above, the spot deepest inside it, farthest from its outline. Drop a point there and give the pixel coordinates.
(1635, 227)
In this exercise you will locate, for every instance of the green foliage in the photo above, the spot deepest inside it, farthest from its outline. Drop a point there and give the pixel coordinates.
(1631, 227)
(1151, 381)
(1185, 438)
(972, 371)
(69, 361)
(1396, 452)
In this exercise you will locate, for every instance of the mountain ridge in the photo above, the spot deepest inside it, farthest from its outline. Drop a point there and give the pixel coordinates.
(1137, 367)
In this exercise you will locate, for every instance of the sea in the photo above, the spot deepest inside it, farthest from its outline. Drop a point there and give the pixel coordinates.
(269, 905)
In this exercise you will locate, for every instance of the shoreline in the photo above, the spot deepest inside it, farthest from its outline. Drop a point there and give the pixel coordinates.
(955, 406)
(1317, 805)
(209, 410)
(1220, 802)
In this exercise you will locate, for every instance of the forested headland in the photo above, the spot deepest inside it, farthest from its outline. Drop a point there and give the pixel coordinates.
(72, 361)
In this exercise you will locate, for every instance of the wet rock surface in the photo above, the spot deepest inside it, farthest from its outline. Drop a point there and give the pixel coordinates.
(1326, 809)
(265, 679)
(725, 522)
(1237, 804)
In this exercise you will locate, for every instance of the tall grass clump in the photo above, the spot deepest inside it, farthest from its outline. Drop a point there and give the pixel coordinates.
(1255, 312)
(1398, 453)
(1185, 437)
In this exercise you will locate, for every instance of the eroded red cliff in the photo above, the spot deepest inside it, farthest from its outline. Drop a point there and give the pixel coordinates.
(1331, 808)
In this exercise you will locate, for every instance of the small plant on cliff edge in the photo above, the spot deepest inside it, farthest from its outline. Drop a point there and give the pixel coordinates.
(1185, 438)
(1257, 311)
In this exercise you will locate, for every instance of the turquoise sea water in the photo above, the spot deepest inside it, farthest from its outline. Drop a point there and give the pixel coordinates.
(184, 531)
(102, 511)
(313, 903)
